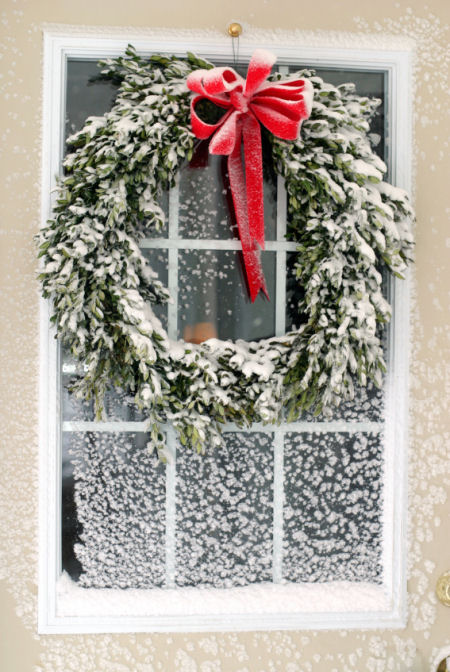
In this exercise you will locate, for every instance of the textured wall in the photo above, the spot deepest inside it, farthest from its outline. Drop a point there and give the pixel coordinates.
(20, 95)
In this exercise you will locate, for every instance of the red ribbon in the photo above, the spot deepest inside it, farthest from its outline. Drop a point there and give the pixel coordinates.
(280, 107)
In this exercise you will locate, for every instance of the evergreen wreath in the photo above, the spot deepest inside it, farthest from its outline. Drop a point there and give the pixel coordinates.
(347, 222)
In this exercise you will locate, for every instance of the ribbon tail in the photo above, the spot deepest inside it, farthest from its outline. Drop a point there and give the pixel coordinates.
(254, 178)
(251, 254)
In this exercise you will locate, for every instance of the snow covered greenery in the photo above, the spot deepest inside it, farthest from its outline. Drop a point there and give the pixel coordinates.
(348, 223)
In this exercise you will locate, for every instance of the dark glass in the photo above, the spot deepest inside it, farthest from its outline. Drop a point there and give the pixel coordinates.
(370, 84)
(213, 292)
(206, 207)
(86, 95)
(158, 262)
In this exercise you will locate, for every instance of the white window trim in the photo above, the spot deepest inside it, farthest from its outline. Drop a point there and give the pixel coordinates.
(390, 597)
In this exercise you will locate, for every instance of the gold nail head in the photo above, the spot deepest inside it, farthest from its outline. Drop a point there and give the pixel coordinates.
(443, 589)
(234, 29)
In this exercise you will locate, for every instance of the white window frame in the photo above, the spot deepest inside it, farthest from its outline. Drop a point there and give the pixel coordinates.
(386, 606)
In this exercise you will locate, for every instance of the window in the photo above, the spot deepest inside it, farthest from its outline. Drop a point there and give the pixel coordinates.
(283, 515)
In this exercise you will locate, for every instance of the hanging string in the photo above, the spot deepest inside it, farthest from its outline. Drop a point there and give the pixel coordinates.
(235, 46)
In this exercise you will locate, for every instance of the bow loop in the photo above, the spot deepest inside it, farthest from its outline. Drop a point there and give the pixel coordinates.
(222, 80)
(258, 70)
(224, 140)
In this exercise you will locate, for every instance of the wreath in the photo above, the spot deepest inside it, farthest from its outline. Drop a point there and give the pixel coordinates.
(347, 222)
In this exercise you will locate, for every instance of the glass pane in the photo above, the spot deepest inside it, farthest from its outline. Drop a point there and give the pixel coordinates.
(370, 84)
(294, 294)
(118, 405)
(224, 513)
(159, 262)
(332, 510)
(86, 95)
(368, 404)
(113, 511)
(206, 202)
(213, 298)
(89, 96)
(163, 232)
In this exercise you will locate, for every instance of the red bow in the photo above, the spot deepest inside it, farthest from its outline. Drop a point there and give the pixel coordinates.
(280, 107)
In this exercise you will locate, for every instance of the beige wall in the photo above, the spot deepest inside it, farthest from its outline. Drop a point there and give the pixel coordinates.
(20, 91)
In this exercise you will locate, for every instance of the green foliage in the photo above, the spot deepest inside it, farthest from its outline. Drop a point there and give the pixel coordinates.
(348, 223)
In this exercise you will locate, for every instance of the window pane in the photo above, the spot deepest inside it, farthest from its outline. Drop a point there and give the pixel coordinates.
(116, 539)
(224, 513)
(159, 262)
(368, 403)
(212, 297)
(370, 84)
(294, 294)
(332, 510)
(87, 95)
(206, 203)
(118, 405)
(149, 231)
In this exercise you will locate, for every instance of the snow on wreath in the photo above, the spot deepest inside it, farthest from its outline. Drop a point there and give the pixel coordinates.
(347, 222)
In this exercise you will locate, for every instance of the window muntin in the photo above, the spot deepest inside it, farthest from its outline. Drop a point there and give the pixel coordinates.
(369, 422)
